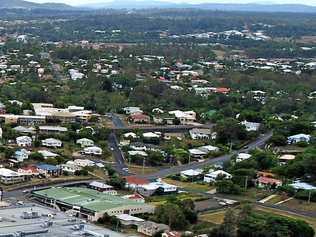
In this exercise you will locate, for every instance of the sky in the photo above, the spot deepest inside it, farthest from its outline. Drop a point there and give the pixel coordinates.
(81, 2)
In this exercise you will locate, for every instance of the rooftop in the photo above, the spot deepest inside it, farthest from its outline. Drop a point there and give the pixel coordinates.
(62, 225)
(86, 198)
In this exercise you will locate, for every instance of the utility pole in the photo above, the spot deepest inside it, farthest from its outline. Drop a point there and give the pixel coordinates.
(231, 147)
(144, 160)
(246, 183)
(309, 196)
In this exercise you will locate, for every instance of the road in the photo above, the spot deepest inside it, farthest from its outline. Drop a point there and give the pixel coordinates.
(120, 161)
(116, 120)
(117, 154)
(261, 141)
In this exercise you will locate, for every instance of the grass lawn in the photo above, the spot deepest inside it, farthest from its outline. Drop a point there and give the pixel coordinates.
(139, 169)
(310, 220)
(276, 199)
(159, 200)
(300, 205)
(189, 186)
(254, 194)
(99, 173)
(216, 217)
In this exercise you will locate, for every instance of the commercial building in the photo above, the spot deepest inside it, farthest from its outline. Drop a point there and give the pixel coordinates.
(8, 176)
(34, 220)
(88, 203)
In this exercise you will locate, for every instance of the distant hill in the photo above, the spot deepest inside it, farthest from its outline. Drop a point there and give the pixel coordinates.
(145, 4)
(20, 4)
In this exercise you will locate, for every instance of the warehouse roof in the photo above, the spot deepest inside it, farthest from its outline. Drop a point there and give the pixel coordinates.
(86, 198)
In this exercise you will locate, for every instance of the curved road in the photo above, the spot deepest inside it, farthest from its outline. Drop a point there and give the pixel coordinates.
(261, 141)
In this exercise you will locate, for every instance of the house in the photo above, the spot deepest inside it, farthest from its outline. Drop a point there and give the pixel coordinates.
(191, 174)
(197, 153)
(85, 142)
(52, 142)
(303, 186)
(83, 162)
(8, 176)
(70, 167)
(29, 170)
(202, 151)
(150, 228)
(286, 158)
(139, 118)
(185, 118)
(137, 153)
(158, 188)
(214, 175)
(128, 220)
(209, 148)
(171, 234)
(31, 120)
(242, 156)
(251, 126)
(49, 170)
(135, 197)
(130, 135)
(133, 182)
(21, 155)
(102, 187)
(264, 182)
(298, 138)
(25, 130)
(93, 150)
(132, 110)
(200, 133)
(152, 135)
(52, 129)
(48, 154)
(24, 141)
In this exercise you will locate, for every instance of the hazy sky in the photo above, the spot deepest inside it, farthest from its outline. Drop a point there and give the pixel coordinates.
(80, 2)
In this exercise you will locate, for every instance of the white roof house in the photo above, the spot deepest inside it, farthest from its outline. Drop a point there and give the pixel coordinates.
(85, 142)
(287, 157)
(152, 135)
(21, 155)
(130, 135)
(48, 154)
(209, 148)
(21, 129)
(251, 126)
(203, 151)
(197, 153)
(299, 138)
(132, 110)
(137, 153)
(83, 162)
(242, 157)
(24, 141)
(199, 133)
(93, 150)
(70, 167)
(191, 173)
(212, 176)
(8, 176)
(56, 129)
(303, 186)
(52, 142)
(185, 117)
